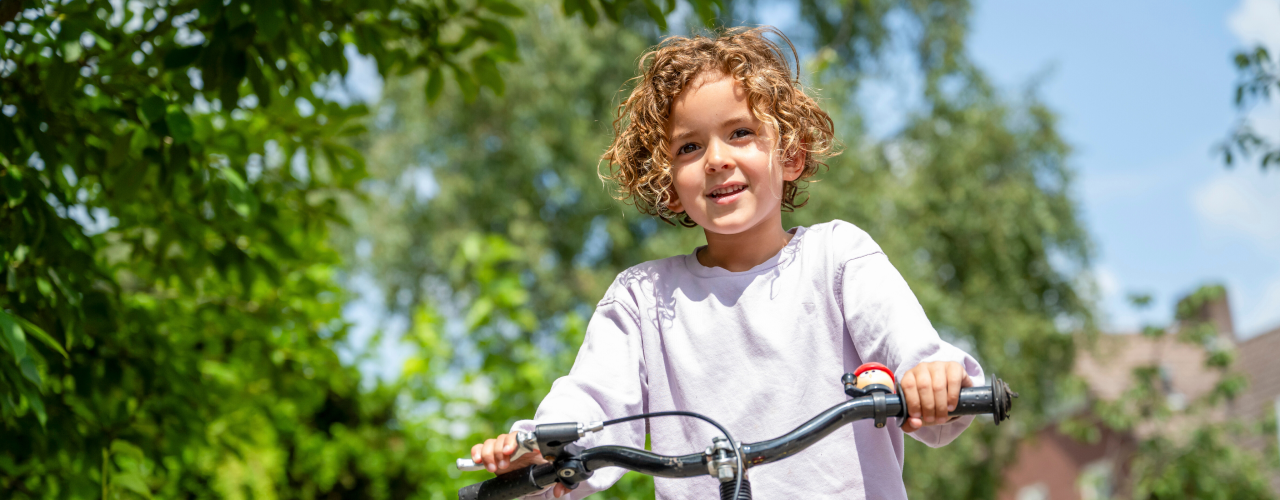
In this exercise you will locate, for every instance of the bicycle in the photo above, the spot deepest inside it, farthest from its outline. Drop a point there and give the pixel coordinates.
(569, 464)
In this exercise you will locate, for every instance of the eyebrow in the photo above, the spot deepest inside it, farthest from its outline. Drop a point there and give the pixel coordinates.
(732, 121)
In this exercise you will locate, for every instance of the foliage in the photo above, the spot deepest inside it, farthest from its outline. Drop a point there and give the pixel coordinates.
(171, 313)
(478, 219)
(1209, 465)
(1186, 452)
(971, 201)
(1258, 76)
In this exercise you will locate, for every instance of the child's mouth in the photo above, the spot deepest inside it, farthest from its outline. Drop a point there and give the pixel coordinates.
(726, 192)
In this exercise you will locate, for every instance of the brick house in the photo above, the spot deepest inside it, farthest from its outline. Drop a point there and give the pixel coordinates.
(1054, 466)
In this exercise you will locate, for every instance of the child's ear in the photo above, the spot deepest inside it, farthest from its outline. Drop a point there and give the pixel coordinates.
(673, 202)
(794, 166)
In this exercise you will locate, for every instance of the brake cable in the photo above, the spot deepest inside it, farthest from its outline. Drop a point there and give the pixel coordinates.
(737, 450)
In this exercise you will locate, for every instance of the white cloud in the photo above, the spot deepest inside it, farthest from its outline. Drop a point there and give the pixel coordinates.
(1245, 201)
(1256, 22)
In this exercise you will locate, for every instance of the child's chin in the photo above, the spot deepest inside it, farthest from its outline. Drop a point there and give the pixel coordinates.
(729, 224)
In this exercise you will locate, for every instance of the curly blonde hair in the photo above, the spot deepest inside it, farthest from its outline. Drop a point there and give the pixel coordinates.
(639, 161)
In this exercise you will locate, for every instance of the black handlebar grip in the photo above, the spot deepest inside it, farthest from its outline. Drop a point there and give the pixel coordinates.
(514, 484)
(995, 399)
(975, 401)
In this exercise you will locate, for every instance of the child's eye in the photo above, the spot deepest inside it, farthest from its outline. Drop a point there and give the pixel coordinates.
(687, 148)
(740, 133)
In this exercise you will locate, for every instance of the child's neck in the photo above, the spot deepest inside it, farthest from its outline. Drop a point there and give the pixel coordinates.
(743, 251)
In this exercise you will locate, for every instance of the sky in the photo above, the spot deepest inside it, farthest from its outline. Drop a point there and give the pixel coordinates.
(1144, 90)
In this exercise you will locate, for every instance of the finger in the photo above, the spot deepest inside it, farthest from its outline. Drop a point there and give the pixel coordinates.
(924, 384)
(509, 445)
(955, 375)
(913, 424)
(560, 490)
(475, 452)
(909, 392)
(486, 454)
(500, 451)
(967, 381)
(938, 372)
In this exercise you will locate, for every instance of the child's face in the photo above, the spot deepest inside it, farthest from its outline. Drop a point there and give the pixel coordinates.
(727, 176)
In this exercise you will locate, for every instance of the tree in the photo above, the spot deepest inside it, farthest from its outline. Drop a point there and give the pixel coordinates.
(169, 173)
(1258, 76)
(970, 202)
(488, 224)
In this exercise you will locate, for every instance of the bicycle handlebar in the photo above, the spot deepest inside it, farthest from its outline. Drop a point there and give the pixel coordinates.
(994, 399)
(514, 484)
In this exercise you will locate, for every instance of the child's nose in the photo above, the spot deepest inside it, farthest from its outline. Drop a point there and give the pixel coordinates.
(718, 157)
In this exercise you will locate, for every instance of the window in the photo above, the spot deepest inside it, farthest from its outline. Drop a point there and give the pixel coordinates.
(1096, 480)
(1038, 491)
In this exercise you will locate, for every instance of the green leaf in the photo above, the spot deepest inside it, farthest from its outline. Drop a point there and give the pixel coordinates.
(234, 68)
(583, 6)
(496, 32)
(656, 13)
(504, 8)
(258, 81)
(138, 141)
(38, 333)
(119, 151)
(132, 481)
(704, 10)
(29, 371)
(121, 447)
(12, 335)
(37, 405)
(479, 312)
(13, 189)
(240, 197)
(152, 108)
(180, 58)
(487, 71)
(8, 138)
(61, 79)
(102, 42)
(270, 16)
(466, 83)
(180, 126)
(233, 178)
(435, 84)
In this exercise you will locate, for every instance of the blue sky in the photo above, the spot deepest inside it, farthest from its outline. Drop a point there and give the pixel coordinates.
(1144, 90)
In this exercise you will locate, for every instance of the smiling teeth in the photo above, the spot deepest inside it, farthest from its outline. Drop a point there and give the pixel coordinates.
(726, 191)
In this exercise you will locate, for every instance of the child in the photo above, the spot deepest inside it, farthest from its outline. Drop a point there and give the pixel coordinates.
(756, 328)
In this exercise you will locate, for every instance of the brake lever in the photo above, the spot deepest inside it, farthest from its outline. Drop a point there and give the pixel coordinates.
(526, 442)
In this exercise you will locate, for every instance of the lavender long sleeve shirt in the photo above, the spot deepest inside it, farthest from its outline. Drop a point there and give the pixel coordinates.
(761, 352)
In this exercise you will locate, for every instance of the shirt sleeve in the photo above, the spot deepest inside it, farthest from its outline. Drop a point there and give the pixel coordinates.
(888, 325)
(607, 381)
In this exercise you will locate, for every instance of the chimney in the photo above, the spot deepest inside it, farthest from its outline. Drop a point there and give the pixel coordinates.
(1208, 304)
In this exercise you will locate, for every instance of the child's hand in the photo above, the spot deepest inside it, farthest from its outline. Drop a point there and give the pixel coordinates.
(495, 455)
(932, 389)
